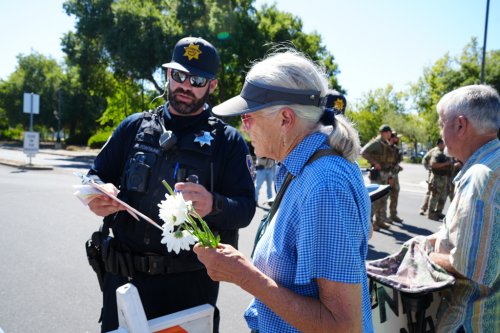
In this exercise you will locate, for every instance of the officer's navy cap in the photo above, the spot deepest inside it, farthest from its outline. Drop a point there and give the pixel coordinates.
(255, 96)
(385, 128)
(195, 56)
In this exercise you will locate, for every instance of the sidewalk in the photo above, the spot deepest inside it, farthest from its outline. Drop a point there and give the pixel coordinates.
(12, 154)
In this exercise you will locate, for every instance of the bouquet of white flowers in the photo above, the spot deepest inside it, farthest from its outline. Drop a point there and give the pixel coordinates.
(180, 229)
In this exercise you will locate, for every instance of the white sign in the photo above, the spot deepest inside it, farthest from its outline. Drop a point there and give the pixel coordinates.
(132, 318)
(31, 103)
(31, 143)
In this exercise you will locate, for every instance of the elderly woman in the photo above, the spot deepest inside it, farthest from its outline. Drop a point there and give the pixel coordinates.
(308, 270)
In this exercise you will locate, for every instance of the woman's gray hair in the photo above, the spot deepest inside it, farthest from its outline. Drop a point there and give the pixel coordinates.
(291, 69)
(480, 104)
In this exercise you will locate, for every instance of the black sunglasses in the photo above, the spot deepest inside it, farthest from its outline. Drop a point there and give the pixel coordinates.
(196, 81)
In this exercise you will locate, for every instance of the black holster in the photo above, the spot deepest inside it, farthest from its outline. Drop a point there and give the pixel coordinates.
(93, 248)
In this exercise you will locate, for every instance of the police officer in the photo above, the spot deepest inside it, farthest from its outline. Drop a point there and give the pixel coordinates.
(396, 169)
(440, 165)
(202, 157)
(378, 153)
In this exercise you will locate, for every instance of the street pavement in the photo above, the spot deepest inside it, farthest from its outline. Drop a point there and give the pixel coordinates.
(232, 300)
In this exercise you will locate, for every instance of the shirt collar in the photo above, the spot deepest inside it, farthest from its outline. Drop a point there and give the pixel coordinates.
(296, 160)
(478, 155)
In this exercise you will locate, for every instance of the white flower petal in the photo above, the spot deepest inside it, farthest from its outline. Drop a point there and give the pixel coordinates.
(178, 240)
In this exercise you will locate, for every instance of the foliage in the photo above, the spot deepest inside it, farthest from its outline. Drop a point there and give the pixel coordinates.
(113, 68)
(134, 38)
(381, 106)
(4, 120)
(98, 140)
(12, 133)
(124, 101)
(447, 74)
(37, 74)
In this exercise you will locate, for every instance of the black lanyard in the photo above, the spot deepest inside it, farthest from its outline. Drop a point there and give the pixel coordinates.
(274, 207)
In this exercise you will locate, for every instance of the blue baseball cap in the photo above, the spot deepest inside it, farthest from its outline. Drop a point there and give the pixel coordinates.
(195, 56)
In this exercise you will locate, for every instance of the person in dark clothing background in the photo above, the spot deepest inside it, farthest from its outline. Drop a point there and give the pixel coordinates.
(197, 154)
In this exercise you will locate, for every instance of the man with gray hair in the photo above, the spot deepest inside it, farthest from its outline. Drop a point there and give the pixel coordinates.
(467, 245)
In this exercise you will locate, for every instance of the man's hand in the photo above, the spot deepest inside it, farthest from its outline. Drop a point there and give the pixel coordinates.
(103, 205)
(198, 194)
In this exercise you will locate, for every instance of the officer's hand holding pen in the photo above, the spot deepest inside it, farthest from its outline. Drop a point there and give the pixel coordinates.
(103, 205)
(202, 199)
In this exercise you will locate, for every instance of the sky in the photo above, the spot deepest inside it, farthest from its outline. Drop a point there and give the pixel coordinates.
(375, 43)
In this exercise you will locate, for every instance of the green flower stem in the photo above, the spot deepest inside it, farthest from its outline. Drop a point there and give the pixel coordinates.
(169, 189)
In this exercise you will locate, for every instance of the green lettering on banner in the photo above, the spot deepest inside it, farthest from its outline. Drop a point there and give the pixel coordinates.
(393, 302)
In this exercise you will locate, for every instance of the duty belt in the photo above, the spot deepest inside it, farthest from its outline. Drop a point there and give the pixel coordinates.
(119, 260)
(160, 265)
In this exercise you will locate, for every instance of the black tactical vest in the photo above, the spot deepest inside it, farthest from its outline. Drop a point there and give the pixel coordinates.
(148, 164)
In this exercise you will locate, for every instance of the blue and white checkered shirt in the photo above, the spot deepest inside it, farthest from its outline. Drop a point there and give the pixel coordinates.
(321, 230)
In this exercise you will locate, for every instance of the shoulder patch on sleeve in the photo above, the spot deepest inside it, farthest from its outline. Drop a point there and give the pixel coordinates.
(250, 165)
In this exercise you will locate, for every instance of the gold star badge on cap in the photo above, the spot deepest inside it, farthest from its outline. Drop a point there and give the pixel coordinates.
(339, 104)
(192, 52)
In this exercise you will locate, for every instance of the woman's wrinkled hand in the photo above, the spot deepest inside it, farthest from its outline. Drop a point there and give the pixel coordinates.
(225, 263)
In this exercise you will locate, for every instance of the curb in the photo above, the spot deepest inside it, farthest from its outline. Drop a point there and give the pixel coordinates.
(24, 166)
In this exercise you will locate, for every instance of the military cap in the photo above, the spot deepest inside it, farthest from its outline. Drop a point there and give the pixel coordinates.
(385, 128)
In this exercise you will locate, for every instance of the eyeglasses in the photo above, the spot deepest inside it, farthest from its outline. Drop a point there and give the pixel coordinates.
(246, 120)
(196, 81)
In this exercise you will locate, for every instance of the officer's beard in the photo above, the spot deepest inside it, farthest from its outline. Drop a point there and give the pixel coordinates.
(186, 108)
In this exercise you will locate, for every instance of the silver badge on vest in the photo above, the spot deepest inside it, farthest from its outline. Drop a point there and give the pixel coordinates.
(203, 137)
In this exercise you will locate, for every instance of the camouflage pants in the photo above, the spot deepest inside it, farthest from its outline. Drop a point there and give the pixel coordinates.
(438, 187)
(393, 196)
(379, 207)
(451, 188)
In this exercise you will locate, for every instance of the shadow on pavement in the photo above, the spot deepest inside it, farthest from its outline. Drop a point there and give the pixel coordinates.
(374, 254)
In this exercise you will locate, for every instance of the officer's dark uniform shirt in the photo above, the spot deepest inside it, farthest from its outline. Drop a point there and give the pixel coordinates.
(221, 165)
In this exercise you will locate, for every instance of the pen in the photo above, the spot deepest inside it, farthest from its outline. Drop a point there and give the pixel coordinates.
(175, 171)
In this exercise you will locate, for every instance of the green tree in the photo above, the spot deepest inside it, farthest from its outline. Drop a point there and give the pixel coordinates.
(447, 74)
(133, 38)
(377, 107)
(37, 74)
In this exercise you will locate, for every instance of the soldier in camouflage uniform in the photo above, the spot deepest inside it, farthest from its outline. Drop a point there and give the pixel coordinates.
(457, 166)
(379, 154)
(440, 166)
(396, 168)
(425, 163)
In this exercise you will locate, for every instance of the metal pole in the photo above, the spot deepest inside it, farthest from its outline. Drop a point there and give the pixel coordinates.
(484, 43)
(59, 116)
(31, 112)
(31, 119)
